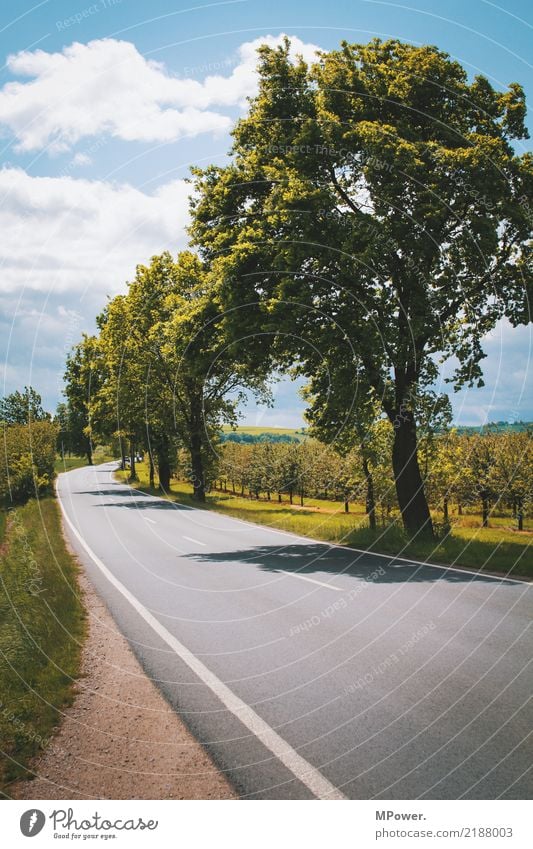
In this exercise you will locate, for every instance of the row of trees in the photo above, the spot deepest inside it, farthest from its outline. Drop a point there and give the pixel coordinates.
(373, 221)
(485, 471)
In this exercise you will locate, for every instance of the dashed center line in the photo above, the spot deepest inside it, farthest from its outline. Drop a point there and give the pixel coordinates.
(311, 580)
(191, 539)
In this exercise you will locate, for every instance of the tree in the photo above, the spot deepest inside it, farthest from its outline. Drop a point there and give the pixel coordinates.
(513, 472)
(83, 378)
(22, 407)
(374, 210)
(169, 377)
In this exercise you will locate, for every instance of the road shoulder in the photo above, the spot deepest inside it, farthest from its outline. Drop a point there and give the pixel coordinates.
(120, 739)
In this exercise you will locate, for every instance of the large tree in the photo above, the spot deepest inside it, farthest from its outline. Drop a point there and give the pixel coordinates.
(374, 210)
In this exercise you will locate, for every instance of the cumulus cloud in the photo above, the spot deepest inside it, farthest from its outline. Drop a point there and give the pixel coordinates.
(107, 87)
(64, 234)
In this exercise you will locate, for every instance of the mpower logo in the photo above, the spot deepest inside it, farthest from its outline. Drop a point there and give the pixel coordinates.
(32, 822)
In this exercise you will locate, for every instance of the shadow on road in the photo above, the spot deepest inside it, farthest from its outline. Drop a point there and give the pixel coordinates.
(308, 559)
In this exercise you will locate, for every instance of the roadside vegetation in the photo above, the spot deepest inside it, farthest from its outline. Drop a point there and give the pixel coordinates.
(462, 541)
(41, 616)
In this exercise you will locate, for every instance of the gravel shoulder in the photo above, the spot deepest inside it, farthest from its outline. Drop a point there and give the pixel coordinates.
(120, 739)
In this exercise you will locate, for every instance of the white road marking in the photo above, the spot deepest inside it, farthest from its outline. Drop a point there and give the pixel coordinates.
(146, 519)
(311, 580)
(305, 772)
(191, 539)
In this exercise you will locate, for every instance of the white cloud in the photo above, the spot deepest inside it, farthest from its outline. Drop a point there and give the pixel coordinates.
(108, 87)
(81, 159)
(63, 234)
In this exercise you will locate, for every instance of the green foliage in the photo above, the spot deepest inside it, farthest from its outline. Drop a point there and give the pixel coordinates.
(22, 407)
(167, 379)
(27, 467)
(374, 219)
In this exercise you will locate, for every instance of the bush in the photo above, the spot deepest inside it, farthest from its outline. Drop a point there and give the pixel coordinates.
(28, 456)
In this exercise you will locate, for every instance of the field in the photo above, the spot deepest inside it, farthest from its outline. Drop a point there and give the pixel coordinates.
(257, 430)
(497, 548)
(41, 631)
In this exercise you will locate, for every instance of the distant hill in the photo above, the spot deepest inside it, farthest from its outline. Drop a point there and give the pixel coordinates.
(253, 433)
(250, 434)
(495, 427)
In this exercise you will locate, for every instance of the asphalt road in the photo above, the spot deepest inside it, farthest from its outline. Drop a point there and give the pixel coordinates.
(309, 670)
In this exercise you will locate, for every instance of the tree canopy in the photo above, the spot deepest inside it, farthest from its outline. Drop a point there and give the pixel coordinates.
(374, 213)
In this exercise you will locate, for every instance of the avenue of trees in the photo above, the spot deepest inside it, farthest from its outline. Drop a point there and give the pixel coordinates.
(373, 222)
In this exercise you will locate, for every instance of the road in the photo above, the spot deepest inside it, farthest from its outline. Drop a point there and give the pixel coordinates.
(309, 670)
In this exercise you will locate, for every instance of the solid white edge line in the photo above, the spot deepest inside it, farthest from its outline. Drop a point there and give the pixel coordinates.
(311, 580)
(298, 766)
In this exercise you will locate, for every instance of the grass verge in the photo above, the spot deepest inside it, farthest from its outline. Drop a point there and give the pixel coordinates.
(42, 626)
(494, 549)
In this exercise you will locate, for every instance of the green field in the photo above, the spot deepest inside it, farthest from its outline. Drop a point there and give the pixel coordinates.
(496, 549)
(257, 430)
(42, 627)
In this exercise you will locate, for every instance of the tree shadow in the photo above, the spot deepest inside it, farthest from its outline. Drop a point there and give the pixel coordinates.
(310, 558)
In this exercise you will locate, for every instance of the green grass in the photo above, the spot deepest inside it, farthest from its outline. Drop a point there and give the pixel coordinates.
(101, 454)
(42, 627)
(495, 549)
(66, 464)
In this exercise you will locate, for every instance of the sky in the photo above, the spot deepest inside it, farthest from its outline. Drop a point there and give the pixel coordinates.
(105, 106)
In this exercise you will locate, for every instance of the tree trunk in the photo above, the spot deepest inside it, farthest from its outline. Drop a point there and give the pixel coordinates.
(163, 472)
(445, 509)
(133, 473)
(197, 468)
(409, 485)
(485, 510)
(520, 514)
(459, 509)
(151, 467)
(122, 455)
(89, 453)
(301, 498)
(290, 495)
(370, 502)
(279, 497)
(346, 507)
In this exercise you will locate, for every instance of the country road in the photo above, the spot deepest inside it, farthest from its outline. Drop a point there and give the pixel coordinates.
(308, 670)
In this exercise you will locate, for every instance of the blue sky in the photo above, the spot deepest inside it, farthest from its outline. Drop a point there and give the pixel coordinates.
(105, 105)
